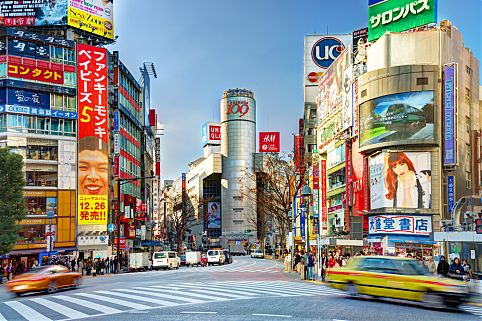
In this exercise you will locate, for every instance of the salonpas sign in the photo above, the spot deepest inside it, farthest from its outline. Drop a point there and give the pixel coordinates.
(399, 15)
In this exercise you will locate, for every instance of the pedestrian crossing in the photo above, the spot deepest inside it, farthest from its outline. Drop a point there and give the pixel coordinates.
(72, 305)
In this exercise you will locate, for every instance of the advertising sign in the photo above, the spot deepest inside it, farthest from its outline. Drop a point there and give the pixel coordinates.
(320, 52)
(35, 73)
(335, 90)
(360, 42)
(240, 108)
(269, 142)
(316, 177)
(51, 236)
(51, 206)
(397, 117)
(33, 12)
(25, 34)
(449, 122)
(324, 209)
(211, 134)
(349, 183)
(401, 180)
(399, 15)
(93, 135)
(94, 16)
(400, 224)
(38, 112)
(299, 142)
(214, 215)
(23, 48)
(28, 98)
(450, 193)
(116, 121)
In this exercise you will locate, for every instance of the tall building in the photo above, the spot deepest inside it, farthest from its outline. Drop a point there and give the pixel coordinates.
(238, 145)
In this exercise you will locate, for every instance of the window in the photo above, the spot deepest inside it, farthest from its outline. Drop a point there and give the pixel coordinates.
(468, 179)
(422, 81)
(468, 96)
(41, 178)
(468, 125)
(42, 152)
(468, 70)
(56, 54)
(69, 57)
(31, 234)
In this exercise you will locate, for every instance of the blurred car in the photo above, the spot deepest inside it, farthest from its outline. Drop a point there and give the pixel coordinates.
(50, 279)
(398, 278)
(257, 254)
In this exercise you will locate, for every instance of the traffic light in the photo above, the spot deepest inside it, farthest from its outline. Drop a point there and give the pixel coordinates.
(478, 226)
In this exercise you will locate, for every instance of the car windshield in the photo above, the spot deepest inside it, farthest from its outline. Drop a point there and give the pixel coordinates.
(159, 255)
(411, 267)
(211, 253)
(258, 251)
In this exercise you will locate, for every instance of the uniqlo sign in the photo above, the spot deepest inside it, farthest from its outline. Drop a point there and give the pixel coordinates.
(269, 142)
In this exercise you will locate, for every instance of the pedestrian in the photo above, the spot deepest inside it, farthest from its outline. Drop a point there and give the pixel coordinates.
(467, 269)
(431, 265)
(323, 266)
(107, 265)
(456, 270)
(80, 265)
(10, 271)
(443, 267)
(115, 261)
(311, 266)
(331, 262)
(1, 273)
(72, 263)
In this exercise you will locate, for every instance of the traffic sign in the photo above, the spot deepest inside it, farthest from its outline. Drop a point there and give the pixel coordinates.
(478, 226)
(111, 227)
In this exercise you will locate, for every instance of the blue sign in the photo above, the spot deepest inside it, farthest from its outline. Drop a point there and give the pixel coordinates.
(37, 111)
(450, 193)
(116, 120)
(204, 134)
(326, 50)
(28, 98)
(374, 2)
(37, 37)
(449, 116)
(111, 227)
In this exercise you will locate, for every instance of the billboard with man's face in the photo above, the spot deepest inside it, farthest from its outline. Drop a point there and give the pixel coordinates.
(401, 180)
(397, 117)
(93, 135)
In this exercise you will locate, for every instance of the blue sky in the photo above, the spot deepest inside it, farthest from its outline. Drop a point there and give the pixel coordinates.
(201, 48)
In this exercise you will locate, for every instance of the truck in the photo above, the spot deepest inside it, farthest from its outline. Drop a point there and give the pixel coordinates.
(139, 262)
(193, 258)
(236, 249)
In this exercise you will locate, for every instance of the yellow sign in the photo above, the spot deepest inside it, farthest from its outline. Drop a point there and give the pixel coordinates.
(97, 23)
(92, 210)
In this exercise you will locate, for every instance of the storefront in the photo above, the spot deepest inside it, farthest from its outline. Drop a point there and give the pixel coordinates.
(462, 245)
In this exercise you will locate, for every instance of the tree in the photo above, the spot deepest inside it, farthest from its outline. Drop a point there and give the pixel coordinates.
(12, 204)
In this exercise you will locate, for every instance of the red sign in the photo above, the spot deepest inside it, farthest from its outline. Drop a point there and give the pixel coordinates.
(214, 132)
(239, 108)
(324, 210)
(35, 73)
(122, 242)
(316, 177)
(349, 180)
(314, 76)
(269, 142)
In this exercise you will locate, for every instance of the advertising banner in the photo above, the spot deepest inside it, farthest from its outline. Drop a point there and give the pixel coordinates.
(360, 43)
(25, 34)
(28, 98)
(51, 236)
(94, 16)
(324, 209)
(38, 112)
(299, 145)
(51, 206)
(401, 180)
(269, 142)
(400, 224)
(399, 15)
(335, 91)
(359, 188)
(214, 215)
(407, 116)
(23, 48)
(320, 51)
(93, 135)
(349, 183)
(211, 134)
(35, 73)
(33, 12)
(302, 222)
(450, 193)
(449, 123)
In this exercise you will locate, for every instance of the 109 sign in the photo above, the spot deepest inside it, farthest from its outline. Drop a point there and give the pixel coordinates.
(238, 107)
(326, 50)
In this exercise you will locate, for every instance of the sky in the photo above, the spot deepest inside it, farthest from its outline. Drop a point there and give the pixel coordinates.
(201, 48)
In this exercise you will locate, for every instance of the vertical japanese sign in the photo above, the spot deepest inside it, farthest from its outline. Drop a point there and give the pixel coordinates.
(349, 183)
(93, 134)
(316, 192)
(449, 115)
(450, 193)
(324, 210)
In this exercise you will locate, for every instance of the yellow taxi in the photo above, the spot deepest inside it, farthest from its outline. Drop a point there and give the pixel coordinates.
(398, 278)
(49, 278)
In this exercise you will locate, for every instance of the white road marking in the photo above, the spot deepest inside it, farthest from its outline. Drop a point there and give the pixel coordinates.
(115, 301)
(168, 296)
(26, 311)
(68, 312)
(163, 288)
(91, 305)
(2, 318)
(137, 297)
(273, 315)
(198, 312)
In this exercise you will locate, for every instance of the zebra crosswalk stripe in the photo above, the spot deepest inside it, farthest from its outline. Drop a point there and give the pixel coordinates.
(137, 297)
(220, 288)
(27, 312)
(168, 296)
(214, 293)
(129, 304)
(88, 304)
(62, 309)
(202, 296)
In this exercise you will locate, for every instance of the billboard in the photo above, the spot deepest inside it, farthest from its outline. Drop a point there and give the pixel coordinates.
(269, 142)
(27, 98)
(401, 180)
(214, 215)
(33, 12)
(93, 135)
(400, 224)
(450, 193)
(211, 134)
(399, 15)
(324, 209)
(335, 90)
(320, 51)
(397, 117)
(37, 73)
(449, 101)
(94, 16)
(360, 43)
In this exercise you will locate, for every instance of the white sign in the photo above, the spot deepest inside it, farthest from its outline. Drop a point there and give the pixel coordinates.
(400, 224)
(50, 233)
(116, 144)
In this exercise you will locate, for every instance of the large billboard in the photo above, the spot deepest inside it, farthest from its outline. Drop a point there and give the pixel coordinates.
(94, 16)
(320, 52)
(214, 215)
(401, 180)
(211, 134)
(398, 117)
(449, 123)
(399, 15)
(419, 225)
(269, 142)
(93, 135)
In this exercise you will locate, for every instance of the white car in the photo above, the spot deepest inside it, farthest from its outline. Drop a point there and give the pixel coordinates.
(257, 254)
(215, 257)
(165, 260)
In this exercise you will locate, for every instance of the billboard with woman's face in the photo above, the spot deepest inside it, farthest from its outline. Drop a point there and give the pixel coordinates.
(407, 116)
(214, 215)
(401, 180)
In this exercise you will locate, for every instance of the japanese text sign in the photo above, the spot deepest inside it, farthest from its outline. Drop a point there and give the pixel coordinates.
(94, 16)
(399, 15)
(93, 170)
(35, 73)
(400, 224)
(449, 115)
(269, 142)
(324, 209)
(450, 193)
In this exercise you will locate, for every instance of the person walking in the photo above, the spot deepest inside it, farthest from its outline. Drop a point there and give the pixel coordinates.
(72, 264)
(323, 266)
(311, 266)
(443, 267)
(80, 265)
(10, 271)
(107, 265)
(456, 270)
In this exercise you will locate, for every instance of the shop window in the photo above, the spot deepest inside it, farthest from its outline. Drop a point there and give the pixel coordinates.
(56, 54)
(31, 234)
(36, 205)
(42, 152)
(41, 178)
(69, 57)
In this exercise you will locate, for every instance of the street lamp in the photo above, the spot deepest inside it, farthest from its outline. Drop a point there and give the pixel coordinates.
(306, 194)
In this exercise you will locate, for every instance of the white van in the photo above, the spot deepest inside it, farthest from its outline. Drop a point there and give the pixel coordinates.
(215, 257)
(165, 260)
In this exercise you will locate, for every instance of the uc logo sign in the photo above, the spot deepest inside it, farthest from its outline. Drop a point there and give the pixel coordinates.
(326, 50)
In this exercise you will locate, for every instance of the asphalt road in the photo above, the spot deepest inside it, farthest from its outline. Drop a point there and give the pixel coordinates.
(247, 289)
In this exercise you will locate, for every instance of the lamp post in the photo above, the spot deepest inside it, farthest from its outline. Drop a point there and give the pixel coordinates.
(306, 194)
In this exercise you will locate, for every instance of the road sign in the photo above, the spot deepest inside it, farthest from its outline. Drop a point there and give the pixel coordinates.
(478, 226)
(111, 227)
